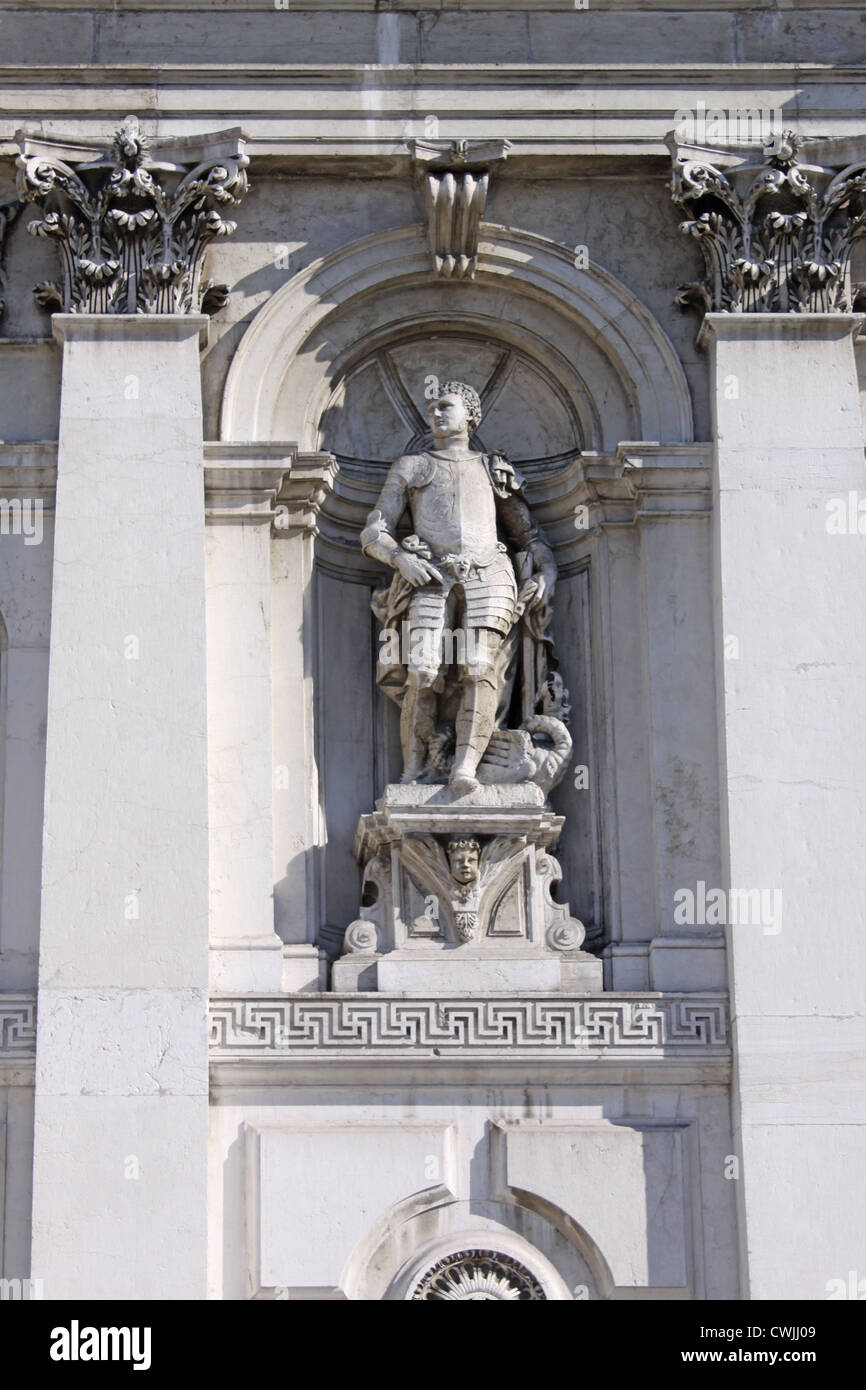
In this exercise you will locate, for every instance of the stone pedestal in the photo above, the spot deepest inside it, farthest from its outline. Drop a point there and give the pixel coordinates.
(423, 930)
(120, 1146)
(789, 593)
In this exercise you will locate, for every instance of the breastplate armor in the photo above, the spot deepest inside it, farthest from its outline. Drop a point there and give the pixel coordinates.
(455, 513)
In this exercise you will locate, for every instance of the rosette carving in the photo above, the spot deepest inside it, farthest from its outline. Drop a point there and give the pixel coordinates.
(478, 1275)
(131, 231)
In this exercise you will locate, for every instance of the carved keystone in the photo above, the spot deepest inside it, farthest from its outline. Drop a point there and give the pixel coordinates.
(457, 178)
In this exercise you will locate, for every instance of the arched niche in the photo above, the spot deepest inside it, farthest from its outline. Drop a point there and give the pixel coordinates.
(579, 336)
(336, 360)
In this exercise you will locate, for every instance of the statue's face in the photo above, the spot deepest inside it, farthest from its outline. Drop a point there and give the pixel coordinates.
(464, 863)
(448, 416)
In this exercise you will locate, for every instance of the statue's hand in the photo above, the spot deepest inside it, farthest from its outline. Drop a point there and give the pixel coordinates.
(525, 596)
(415, 570)
(543, 591)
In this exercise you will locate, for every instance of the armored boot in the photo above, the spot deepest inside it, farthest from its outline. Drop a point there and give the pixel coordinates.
(473, 726)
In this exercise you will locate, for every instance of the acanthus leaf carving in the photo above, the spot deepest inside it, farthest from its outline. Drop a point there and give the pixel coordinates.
(775, 237)
(131, 235)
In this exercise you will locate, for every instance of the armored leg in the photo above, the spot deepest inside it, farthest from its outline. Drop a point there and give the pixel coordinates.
(426, 621)
(476, 718)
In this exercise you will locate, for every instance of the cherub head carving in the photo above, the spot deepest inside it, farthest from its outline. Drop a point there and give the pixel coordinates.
(463, 852)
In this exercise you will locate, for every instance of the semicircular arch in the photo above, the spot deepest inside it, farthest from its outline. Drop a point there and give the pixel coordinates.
(593, 345)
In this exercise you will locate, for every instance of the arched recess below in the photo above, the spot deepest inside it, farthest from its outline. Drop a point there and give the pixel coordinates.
(601, 353)
(415, 1233)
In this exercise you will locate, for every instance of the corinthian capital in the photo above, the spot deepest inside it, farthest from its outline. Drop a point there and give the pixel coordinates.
(776, 235)
(132, 225)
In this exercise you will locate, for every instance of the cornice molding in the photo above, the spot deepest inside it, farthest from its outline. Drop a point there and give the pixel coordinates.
(466, 74)
(272, 483)
(277, 484)
(559, 117)
(640, 483)
(29, 471)
(402, 6)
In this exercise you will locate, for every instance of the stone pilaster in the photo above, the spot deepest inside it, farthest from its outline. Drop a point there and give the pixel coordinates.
(262, 502)
(119, 1200)
(790, 575)
(241, 484)
(640, 517)
(120, 1143)
(299, 829)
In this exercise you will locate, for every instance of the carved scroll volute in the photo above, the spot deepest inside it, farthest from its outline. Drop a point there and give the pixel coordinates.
(132, 232)
(563, 932)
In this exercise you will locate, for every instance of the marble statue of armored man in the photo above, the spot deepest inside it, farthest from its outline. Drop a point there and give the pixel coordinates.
(467, 613)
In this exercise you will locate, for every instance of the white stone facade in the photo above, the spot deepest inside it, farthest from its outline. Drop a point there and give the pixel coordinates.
(201, 1095)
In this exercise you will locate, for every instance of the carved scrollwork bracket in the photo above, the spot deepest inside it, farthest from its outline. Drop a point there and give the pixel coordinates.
(776, 236)
(457, 177)
(132, 229)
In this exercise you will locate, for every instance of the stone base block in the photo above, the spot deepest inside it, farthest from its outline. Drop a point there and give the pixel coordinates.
(581, 973)
(458, 973)
(305, 969)
(251, 966)
(351, 973)
(688, 965)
